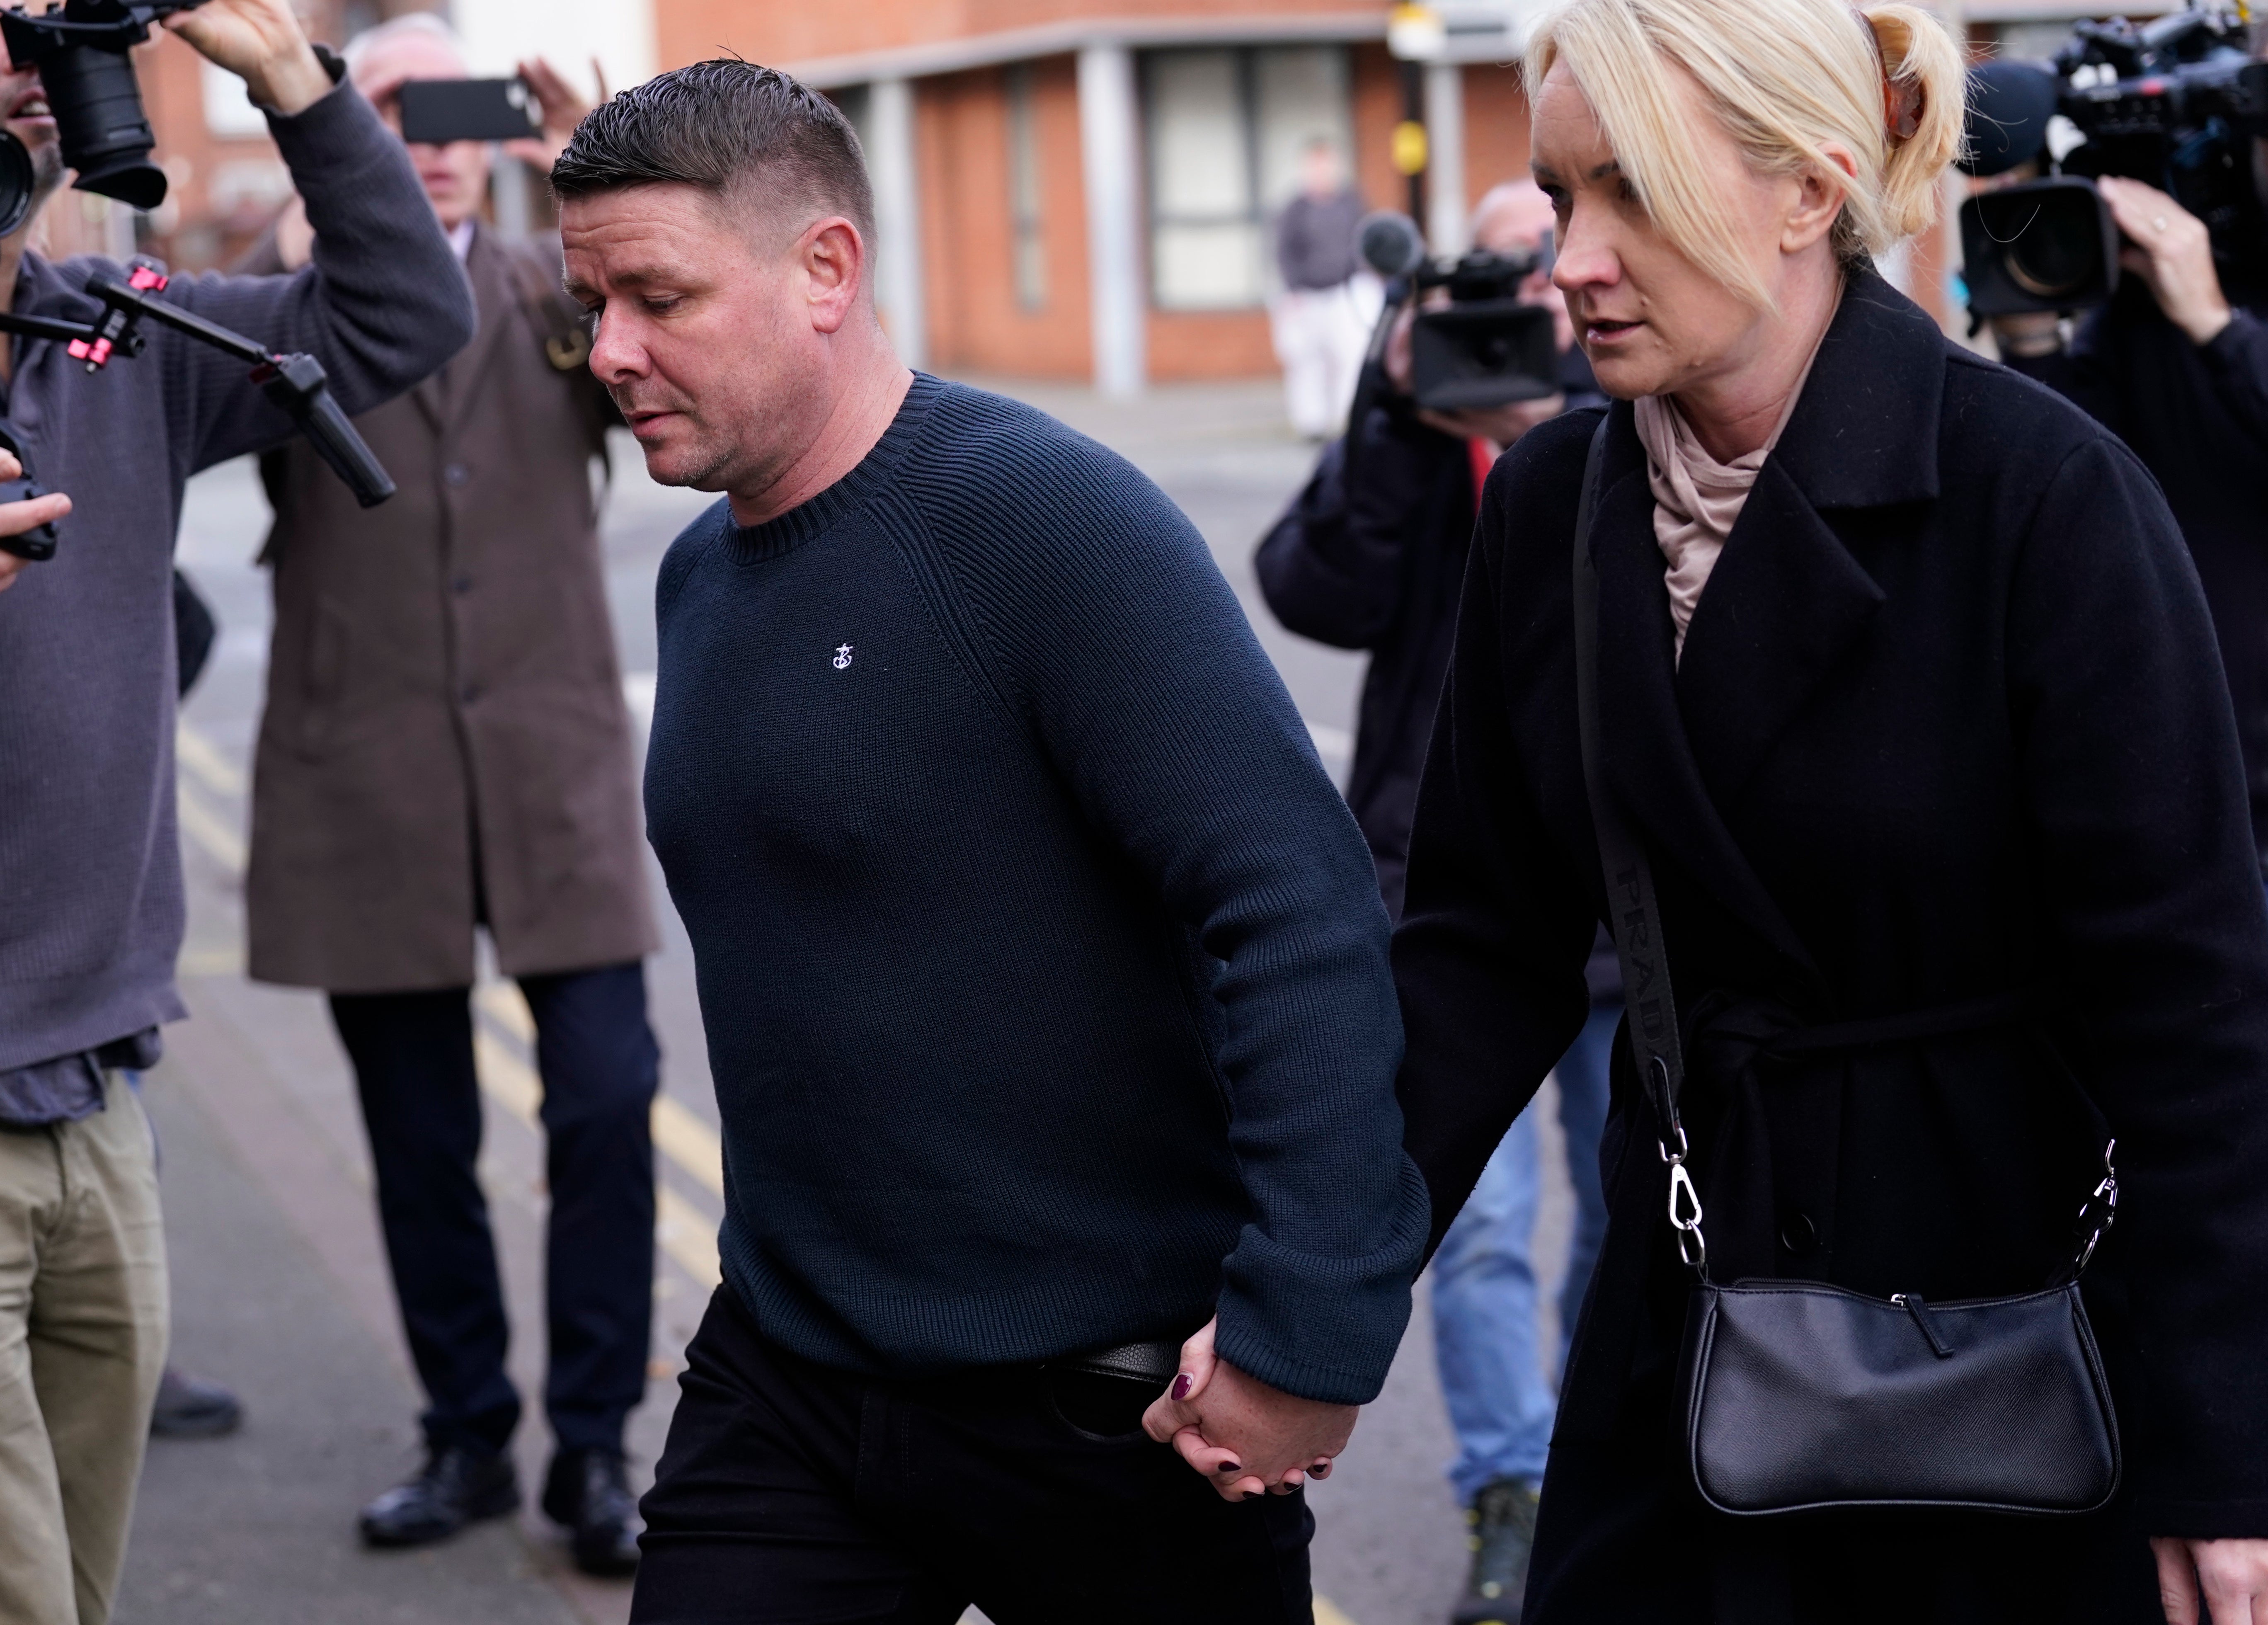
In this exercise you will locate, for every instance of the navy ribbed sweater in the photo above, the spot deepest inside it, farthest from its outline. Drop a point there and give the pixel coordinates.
(1043, 971)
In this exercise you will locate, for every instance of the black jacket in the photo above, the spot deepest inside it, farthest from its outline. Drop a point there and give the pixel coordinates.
(1374, 563)
(2198, 418)
(1371, 555)
(1949, 725)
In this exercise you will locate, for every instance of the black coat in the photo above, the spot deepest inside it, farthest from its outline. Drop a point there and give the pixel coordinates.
(1950, 723)
(2198, 418)
(1373, 561)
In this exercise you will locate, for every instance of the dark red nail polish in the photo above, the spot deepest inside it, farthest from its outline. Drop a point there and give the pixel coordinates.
(1230, 1467)
(1181, 1386)
(1250, 1495)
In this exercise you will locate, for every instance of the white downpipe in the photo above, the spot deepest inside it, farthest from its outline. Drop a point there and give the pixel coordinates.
(1110, 156)
(898, 283)
(1446, 224)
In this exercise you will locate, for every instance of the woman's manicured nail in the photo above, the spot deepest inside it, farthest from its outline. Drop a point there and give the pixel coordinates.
(1182, 1386)
(1250, 1494)
(1231, 1466)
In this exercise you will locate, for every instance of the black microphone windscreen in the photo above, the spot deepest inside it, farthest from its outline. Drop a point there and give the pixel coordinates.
(2009, 105)
(1389, 243)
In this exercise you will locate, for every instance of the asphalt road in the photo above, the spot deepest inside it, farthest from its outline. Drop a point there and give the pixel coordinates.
(281, 1289)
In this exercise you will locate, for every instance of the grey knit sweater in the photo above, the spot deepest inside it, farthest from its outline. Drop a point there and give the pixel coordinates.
(91, 908)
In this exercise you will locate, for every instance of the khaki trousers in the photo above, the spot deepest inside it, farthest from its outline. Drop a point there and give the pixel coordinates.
(83, 1324)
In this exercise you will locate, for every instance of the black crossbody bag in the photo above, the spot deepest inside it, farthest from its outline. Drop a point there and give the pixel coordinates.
(1796, 1395)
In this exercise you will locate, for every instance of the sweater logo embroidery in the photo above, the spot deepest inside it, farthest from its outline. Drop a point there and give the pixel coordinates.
(841, 656)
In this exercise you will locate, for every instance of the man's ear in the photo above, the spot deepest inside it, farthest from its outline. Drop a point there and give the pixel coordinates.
(832, 255)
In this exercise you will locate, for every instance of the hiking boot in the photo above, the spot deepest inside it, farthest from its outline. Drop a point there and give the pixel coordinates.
(1503, 1521)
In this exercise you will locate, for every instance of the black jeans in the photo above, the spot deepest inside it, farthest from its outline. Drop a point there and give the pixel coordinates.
(413, 1061)
(790, 1493)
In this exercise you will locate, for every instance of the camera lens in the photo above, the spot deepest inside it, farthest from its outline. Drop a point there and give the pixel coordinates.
(106, 136)
(2050, 264)
(2049, 240)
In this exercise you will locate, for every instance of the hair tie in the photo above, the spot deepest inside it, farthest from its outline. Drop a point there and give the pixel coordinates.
(1900, 102)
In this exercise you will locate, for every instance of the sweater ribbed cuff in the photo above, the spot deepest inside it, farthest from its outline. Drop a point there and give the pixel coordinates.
(1323, 1327)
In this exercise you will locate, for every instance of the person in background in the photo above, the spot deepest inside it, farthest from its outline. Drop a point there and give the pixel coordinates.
(190, 1407)
(2177, 366)
(91, 894)
(1371, 556)
(445, 746)
(1321, 318)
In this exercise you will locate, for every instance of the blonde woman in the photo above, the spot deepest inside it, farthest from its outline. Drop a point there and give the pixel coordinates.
(1906, 692)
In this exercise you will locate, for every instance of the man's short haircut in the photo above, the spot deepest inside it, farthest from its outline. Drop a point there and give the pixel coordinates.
(750, 136)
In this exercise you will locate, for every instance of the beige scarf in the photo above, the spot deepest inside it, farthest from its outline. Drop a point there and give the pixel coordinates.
(1696, 498)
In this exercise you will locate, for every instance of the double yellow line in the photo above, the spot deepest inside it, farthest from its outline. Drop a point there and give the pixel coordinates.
(685, 1234)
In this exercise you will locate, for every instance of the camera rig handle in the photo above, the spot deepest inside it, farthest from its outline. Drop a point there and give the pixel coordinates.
(295, 382)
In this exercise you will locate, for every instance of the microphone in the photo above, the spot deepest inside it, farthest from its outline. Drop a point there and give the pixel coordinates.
(2009, 106)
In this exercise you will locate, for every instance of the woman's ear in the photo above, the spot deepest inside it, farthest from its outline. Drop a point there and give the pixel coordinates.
(1818, 199)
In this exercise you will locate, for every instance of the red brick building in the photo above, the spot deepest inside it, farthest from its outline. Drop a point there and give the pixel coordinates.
(1087, 184)
(1065, 188)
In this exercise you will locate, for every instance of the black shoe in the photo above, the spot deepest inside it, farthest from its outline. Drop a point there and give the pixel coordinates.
(455, 1486)
(188, 1409)
(588, 1492)
(1503, 1519)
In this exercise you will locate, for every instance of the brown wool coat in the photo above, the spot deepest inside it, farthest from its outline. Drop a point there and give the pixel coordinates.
(444, 736)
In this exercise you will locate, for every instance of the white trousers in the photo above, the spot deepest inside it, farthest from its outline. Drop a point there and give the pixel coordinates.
(1320, 334)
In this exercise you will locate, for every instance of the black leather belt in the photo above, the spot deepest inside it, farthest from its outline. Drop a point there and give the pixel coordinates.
(1155, 1363)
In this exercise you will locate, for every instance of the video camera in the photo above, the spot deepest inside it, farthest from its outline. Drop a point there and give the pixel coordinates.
(2174, 102)
(1486, 347)
(80, 48)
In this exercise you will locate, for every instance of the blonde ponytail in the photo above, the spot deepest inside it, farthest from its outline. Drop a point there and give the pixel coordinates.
(1920, 59)
(1787, 79)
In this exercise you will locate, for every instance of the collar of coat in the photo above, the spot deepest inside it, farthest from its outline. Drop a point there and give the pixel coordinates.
(447, 397)
(1786, 604)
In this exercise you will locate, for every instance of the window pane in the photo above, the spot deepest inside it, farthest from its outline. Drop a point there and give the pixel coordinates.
(1206, 267)
(1200, 164)
(1301, 96)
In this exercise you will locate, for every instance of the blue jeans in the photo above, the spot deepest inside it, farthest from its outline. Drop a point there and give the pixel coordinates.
(1500, 1395)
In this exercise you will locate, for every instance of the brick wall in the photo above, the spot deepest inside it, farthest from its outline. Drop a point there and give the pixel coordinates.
(977, 322)
(1496, 128)
(773, 30)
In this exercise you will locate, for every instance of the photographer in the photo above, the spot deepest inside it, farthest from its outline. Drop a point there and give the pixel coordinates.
(500, 792)
(1371, 556)
(1371, 560)
(90, 863)
(2177, 366)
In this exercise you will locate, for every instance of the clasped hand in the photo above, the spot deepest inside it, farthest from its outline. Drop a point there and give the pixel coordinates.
(1243, 1435)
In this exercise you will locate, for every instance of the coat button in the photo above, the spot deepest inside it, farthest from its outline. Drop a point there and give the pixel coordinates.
(456, 474)
(1797, 1233)
(470, 692)
(462, 585)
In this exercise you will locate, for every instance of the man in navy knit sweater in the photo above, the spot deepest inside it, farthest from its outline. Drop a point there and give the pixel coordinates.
(1043, 971)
